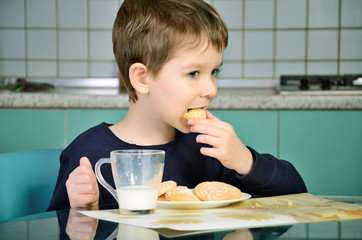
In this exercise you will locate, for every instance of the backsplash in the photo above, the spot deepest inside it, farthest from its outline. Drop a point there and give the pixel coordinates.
(268, 38)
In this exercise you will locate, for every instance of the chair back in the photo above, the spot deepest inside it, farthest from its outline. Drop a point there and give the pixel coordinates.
(27, 180)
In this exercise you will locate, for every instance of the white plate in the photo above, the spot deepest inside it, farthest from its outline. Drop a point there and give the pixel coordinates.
(201, 204)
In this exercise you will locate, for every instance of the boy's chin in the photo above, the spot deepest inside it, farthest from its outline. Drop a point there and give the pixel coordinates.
(184, 129)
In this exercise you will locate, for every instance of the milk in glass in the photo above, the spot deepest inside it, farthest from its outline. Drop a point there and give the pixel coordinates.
(137, 197)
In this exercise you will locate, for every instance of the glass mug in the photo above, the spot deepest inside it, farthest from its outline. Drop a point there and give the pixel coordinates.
(137, 175)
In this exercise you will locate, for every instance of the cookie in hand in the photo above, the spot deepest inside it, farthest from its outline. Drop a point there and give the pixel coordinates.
(196, 113)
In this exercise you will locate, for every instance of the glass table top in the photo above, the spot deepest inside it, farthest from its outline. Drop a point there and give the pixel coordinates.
(69, 224)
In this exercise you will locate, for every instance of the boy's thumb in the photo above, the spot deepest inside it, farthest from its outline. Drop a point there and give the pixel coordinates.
(84, 161)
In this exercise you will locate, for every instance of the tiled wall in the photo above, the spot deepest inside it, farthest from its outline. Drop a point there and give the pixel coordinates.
(72, 38)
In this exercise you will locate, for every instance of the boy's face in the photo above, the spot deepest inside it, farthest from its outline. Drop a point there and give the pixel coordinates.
(187, 80)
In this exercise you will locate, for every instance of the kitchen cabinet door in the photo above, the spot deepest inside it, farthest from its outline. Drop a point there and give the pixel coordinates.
(326, 148)
(25, 129)
(79, 120)
(257, 129)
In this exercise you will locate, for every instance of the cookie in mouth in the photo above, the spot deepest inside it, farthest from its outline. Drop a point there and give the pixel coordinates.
(195, 113)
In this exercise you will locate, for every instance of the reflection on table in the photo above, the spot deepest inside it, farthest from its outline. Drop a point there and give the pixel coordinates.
(69, 224)
(74, 226)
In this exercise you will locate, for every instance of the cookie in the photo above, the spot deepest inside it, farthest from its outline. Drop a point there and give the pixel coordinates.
(166, 186)
(216, 191)
(162, 198)
(195, 113)
(181, 194)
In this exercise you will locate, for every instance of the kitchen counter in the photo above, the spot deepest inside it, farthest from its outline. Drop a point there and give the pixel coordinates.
(250, 99)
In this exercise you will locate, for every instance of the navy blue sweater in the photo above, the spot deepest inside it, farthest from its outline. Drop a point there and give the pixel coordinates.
(183, 163)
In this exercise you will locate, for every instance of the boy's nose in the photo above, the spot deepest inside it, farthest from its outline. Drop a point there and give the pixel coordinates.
(209, 89)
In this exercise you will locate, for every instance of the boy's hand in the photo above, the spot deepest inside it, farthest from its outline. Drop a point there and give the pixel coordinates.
(82, 185)
(226, 146)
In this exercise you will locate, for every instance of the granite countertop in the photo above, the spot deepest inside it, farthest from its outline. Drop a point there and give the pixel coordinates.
(248, 99)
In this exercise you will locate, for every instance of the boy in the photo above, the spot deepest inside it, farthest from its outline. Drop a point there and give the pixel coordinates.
(169, 53)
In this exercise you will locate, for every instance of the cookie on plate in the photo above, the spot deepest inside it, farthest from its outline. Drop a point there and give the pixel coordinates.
(181, 194)
(166, 186)
(216, 191)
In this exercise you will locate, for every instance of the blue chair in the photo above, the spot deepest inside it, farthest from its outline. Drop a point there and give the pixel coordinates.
(27, 180)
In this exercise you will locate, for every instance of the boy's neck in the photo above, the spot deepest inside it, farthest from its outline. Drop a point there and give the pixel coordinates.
(141, 129)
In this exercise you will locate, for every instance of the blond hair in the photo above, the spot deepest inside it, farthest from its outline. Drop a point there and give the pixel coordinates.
(149, 32)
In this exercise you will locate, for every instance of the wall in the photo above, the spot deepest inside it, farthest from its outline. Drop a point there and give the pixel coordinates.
(72, 38)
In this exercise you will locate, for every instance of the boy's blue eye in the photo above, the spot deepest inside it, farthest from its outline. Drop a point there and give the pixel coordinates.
(215, 72)
(193, 74)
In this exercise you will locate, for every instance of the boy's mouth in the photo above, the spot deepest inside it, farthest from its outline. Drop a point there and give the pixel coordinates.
(194, 108)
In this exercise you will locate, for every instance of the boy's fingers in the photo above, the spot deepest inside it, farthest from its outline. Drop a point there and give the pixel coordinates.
(207, 139)
(211, 152)
(84, 161)
(82, 185)
(85, 188)
(83, 173)
(209, 115)
(85, 167)
(209, 129)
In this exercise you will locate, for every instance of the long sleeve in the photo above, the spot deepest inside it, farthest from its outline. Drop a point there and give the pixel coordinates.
(60, 196)
(271, 176)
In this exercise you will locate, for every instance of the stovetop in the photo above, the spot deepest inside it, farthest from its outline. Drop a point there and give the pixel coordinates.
(321, 84)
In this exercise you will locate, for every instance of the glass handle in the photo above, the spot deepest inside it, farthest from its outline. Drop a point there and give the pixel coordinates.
(101, 179)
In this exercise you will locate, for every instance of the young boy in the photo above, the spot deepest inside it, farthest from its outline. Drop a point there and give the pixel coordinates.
(169, 53)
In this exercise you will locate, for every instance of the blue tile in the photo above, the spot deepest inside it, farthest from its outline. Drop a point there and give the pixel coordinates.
(351, 44)
(291, 13)
(258, 45)
(323, 13)
(259, 14)
(351, 13)
(323, 44)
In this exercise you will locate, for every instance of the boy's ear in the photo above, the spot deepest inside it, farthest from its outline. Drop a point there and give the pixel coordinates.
(139, 78)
